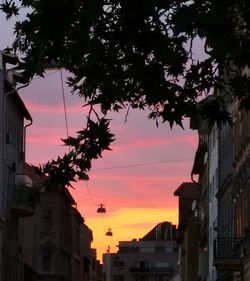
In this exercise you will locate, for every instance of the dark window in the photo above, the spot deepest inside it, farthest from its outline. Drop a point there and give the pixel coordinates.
(47, 220)
(118, 263)
(118, 278)
(86, 264)
(47, 260)
(160, 249)
(141, 264)
(77, 240)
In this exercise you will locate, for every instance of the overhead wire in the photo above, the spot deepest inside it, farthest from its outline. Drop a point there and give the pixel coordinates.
(143, 164)
(64, 104)
(67, 129)
(129, 166)
(67, 132)
(132, 202)
(90, 195)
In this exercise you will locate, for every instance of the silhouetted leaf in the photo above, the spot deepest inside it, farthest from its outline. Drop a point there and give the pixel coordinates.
(137, 54)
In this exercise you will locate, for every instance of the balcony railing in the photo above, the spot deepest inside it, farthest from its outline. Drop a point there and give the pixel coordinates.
(24, 200)
(139, 269)
(228, 253)
(245, 246)
(151, 270)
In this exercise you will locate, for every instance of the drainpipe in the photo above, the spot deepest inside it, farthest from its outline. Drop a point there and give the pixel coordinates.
(25, 127)
(24, 138)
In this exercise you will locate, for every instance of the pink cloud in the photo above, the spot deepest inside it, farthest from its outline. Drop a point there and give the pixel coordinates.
(43, 136)
(132, 193)
(43, 140)
(143, 179)
(35, 107)
(153, 142)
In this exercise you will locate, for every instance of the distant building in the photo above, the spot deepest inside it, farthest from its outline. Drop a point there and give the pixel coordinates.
(201, 171)
(152, 258)
(56, 244)
(188, 231)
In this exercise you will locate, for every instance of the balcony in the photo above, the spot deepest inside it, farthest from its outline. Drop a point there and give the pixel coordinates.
(151, 270)
(24, 200)
(228, 252)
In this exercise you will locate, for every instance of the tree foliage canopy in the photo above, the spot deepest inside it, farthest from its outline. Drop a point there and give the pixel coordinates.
(137, 54)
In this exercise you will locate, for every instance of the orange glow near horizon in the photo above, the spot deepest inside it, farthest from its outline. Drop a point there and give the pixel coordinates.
(127, 224)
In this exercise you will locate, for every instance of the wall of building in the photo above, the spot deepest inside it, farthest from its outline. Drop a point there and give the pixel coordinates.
(13, 113)
(47, 237)
(213, 161)
(1, 247)
(225, 212)
(2, 141)
(142, 259)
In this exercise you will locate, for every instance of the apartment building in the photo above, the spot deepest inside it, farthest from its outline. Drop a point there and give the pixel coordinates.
(152, 258)
(42, 234)
(232, 252)
(55, 241)
(17, 197)
(200, 227)
(221, 170)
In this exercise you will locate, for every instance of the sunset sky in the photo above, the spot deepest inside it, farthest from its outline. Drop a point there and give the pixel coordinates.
(135, 181)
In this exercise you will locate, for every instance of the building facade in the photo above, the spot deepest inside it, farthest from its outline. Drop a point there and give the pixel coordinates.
(56, 243)
(222, 169)
(232, 252)
(42, 234)
(151, 258)
(213, 170)
(188, 231)
(17, 197)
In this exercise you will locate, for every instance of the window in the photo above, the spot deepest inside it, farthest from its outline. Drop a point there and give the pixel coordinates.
(47, 260)
(118, 278)
(147, 249)
(160, 264)
(47, 220)
(143, 278)
(160, 249)
(77, 240)
(93, 264)
(141, 264)
(86, 264)
(118, 263)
